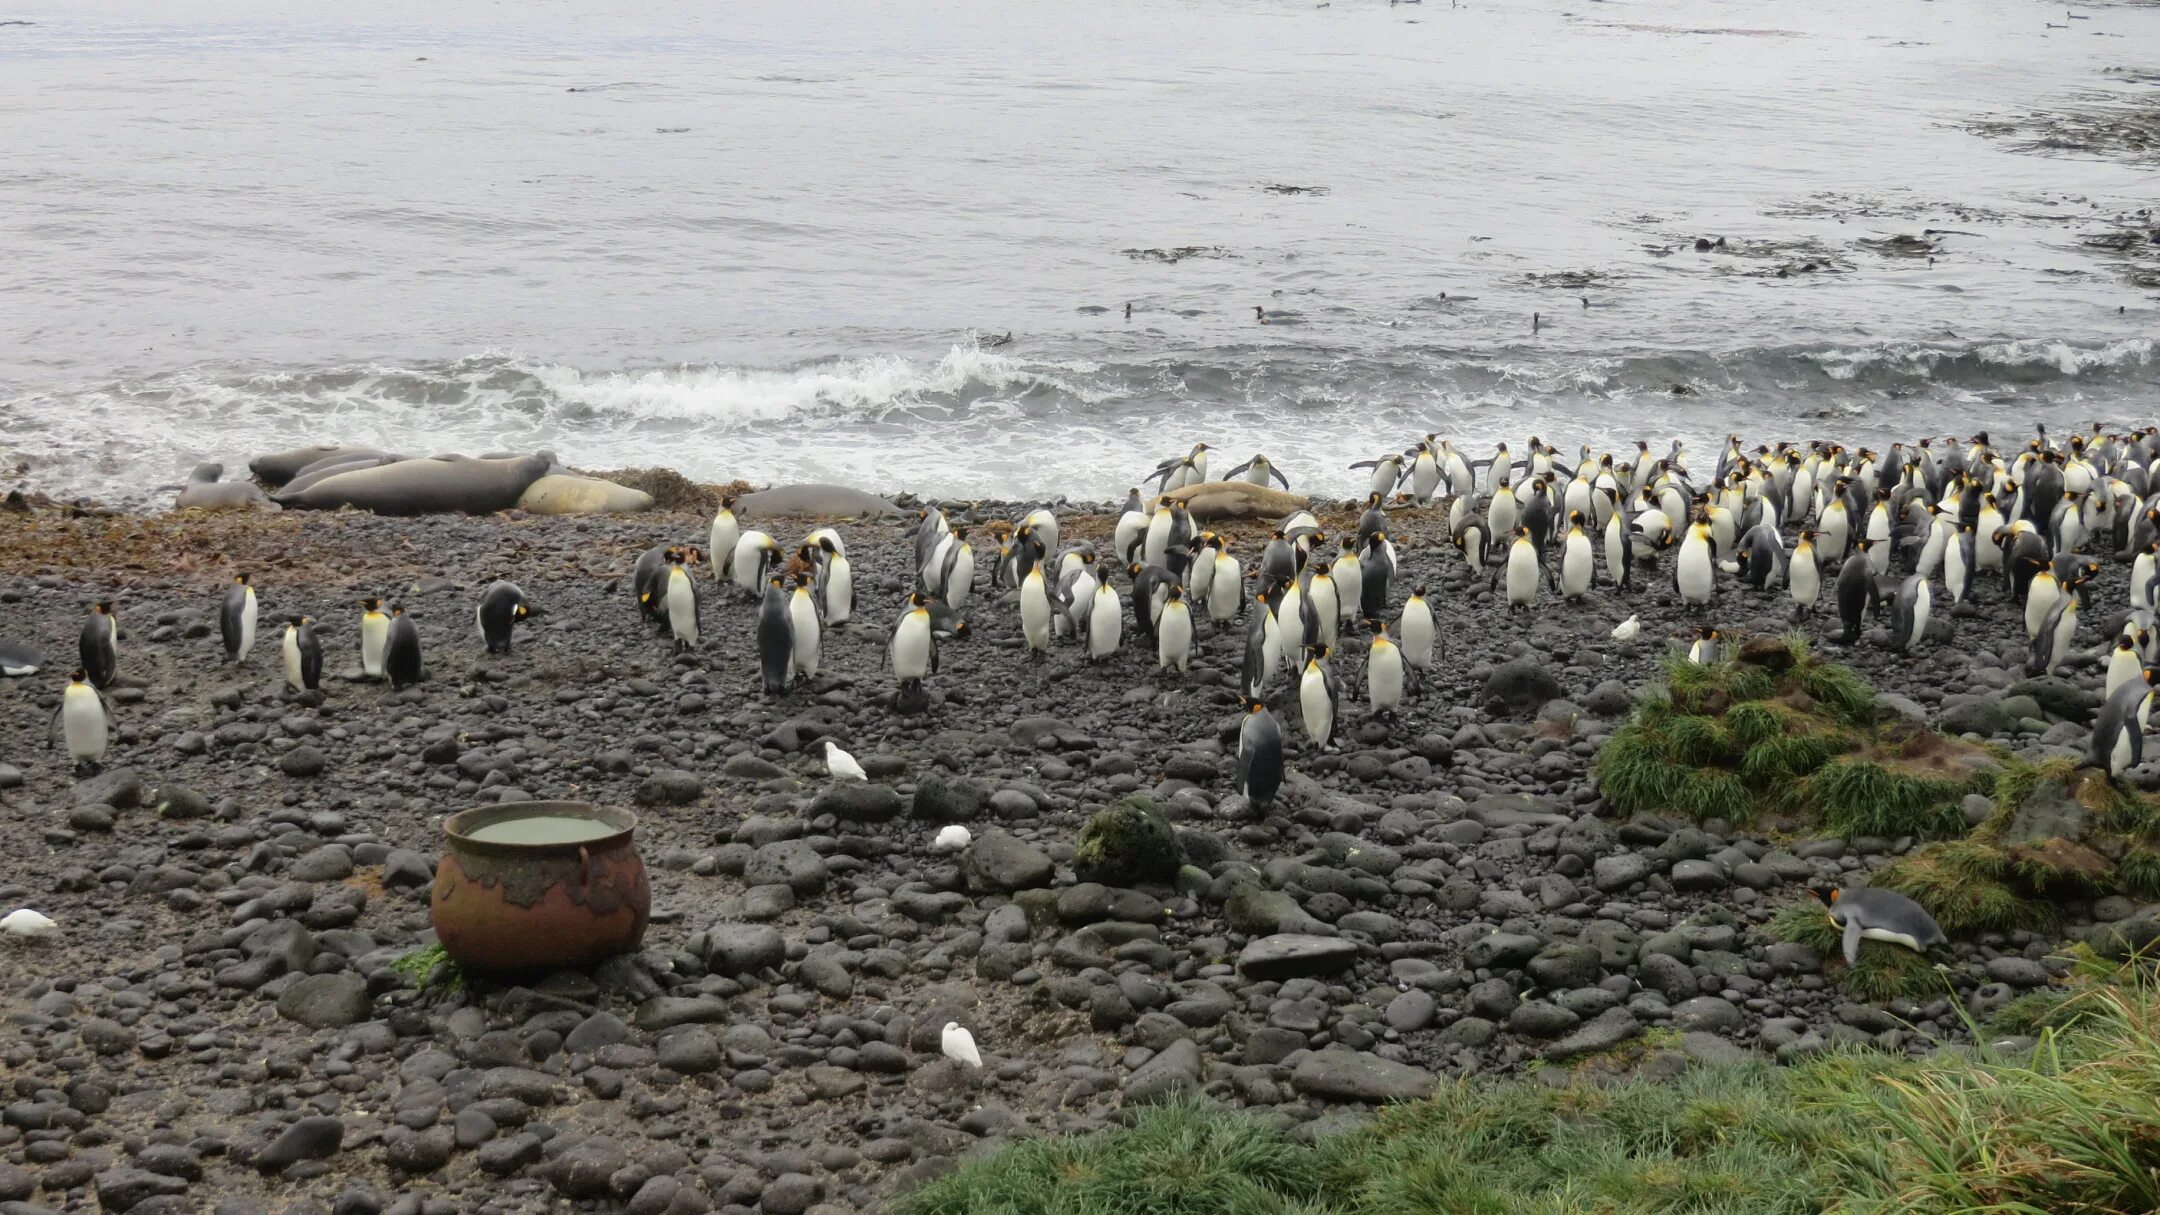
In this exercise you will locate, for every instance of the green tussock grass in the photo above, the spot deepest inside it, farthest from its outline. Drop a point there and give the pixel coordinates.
(1860, 797)
(1967, 886)
(2138, 873)
(2072, 1128)
(1886, 971)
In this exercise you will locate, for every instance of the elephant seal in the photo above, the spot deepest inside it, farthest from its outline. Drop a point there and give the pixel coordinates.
(1236, 500)
(204, 491)
(828, 500)
(567, 494)
(332, 467)
(438, 485)
(281, 466)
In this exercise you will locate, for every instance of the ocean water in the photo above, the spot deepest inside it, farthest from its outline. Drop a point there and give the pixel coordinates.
(784, 242)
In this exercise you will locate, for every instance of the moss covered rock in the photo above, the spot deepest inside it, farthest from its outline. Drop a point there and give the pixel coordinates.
(1128, 843)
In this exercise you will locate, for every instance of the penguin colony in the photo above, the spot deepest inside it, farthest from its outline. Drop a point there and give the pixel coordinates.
(1879, 530)
(1312, 618)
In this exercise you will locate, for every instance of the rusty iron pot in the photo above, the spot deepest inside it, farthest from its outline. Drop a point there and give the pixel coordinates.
(519, 907)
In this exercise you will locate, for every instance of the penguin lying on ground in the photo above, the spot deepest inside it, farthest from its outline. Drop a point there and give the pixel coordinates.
(1870, 913)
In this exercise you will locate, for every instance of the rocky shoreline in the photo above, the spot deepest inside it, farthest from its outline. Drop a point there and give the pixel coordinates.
(220, 1023)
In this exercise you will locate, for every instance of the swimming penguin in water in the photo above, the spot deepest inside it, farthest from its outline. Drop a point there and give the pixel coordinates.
(2118, 734)
(1871, 913)
(726, 530)
(100, 645)
(401, 650)
(1174, 632)
(84, 726)
(1259, 756)
(302, 653)
(775, 638)
(1909, 614)
(236, 620)
(807, 638)
(374, 637)
(502, 605)
(679, 593)
(1318, 699)
(1384, 674)
(1257, 471)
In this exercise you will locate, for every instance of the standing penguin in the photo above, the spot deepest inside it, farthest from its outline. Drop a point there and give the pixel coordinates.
(1132, 528)
(1416, 626)
(1708, 648)
(680, 595)
(303, 655)
(236, 620)
(950, 572)
(1317, 697)
(1695, 570)
(2041, 595)
(1522, 570)
(2051, 644)
(1909, 614)
(1959, 563)
(83, 724)
(1324, 606)
(502, 605)
(100, 645)
(374, 636)
(838, 580)
(1105, 622)
(401, 650)
(1855, 595)
(756, 556)
(803, 622)
(1803, 577)
(913, 650)
(1037, 613)
(2124, 664)
(1578, 562)
(775, 638)
(1259, 756)
(726, 530)
(648, 582)
(1383, 674)
(1226, 591)
(1173, 633)
(2118, 735)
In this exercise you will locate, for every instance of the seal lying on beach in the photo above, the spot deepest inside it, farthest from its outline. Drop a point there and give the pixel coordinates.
(330, 466)
(439, 485)
(831, 500)
(1236, 500)
(568, 494)
(279, 467)
(204, 491)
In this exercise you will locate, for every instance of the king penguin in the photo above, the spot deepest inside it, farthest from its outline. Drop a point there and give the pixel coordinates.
(726, 530)
(803, 623)
(1908, 626)
(1383, 674)
(302, 654)
(1317, 697)
(838, 580)
(1036, 613)
(2124, 664)
(1871, 913)
(374, 635)
(2051, 644)
(1578, 562)
(2118, 737)
(236, 620)
(84, 727)
(1695, 570)
(775, 638)
(1802, 576)
(1856, 592)
(1173, 633)
(401, 650)
(1416, 627)
(680, 593)
(502, 605)
(1105, 622)
(1259, 756)
(756, 556)
(100, 645)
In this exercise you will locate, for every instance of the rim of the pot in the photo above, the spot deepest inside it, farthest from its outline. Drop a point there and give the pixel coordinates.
(459, 827)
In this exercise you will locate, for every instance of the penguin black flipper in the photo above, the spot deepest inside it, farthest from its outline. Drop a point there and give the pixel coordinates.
(1232, 474)
(1277, 476)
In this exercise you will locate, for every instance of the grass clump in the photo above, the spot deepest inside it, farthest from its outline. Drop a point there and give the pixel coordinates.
(431, 971)
(1885, 971)
(2073, 1128)
(1967, 885)
(1853, 796)
(1127, 843)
